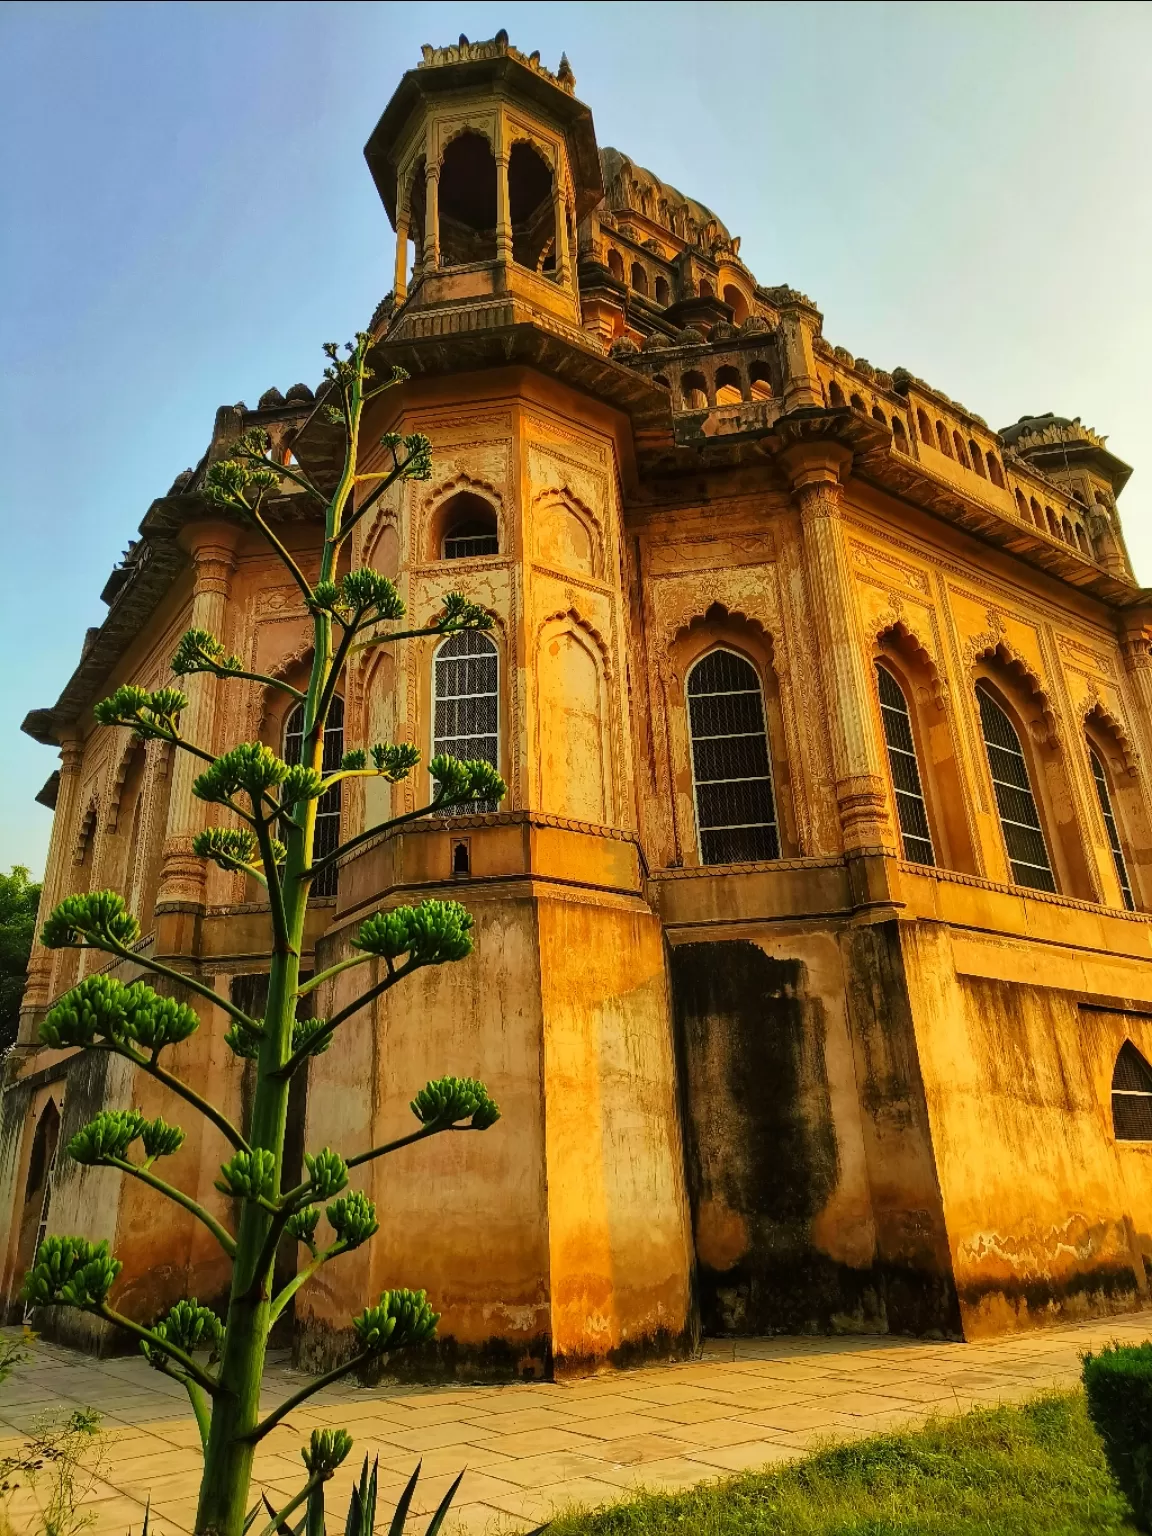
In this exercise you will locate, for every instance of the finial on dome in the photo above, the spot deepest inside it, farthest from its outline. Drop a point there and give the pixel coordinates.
(564, 73)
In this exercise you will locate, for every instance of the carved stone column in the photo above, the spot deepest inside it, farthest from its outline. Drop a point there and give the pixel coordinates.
(799, 324)
(182, 875)
(560, 211)
(400, 279)
(1136, 650)
(861, 793)
(503, 210)
(38, 991)
(430, 259)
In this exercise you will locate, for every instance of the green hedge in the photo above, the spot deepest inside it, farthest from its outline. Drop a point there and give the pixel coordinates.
(1118, 1382)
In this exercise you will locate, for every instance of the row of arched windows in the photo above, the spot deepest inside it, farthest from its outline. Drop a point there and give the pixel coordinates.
(952, 445)
(735, 804)
(728, 385)
(1072, 531)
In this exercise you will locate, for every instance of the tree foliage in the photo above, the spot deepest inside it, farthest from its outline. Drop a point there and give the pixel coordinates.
(264, 824)
(19, 898)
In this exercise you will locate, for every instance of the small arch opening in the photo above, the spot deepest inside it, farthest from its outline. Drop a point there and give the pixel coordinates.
(616, 265)
(729, 388)
(663, 292)
(706, 289)
(461, 858)
(658, 378)
(835, 395)
(977, 458)
(899, 435)
(760, 381)
(639, 279)
(466, 201)
(924, 427)
(958, 445)
(694, 391)
(996, 471)
(942, 440)
(469, 528)
(530, 206)
(857, 403)
(878, 415)
(737, 303)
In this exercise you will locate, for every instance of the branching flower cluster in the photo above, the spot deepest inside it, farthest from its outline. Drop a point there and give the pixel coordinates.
(265, 824)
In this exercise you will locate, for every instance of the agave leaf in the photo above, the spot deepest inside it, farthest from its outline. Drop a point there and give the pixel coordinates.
(282, 1527)
(398, 1519)
(442, 1513)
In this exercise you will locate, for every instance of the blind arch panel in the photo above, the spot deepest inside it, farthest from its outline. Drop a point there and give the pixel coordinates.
(731, 766)
(328, 806)
(1019, 818)
(466, 705)
(915, 833)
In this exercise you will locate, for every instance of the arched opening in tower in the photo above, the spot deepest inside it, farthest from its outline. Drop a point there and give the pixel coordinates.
(530, 205)
(467, 201)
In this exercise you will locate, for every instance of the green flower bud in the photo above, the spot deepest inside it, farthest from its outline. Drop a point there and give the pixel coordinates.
(326, 595)
(226, 846)
(367, 591)
(301, 783)
(93, 917)
(302, 1225)
(108, 1135)
(327, 1172)
(395, 762)
(189, 1327)
(459, 613)
(70, 1271)
(248, 1175)
(430, 934)
(327, 1450)
(154, 1021)
(160, 1139)
(244, 1040)
(303, 1030)
(355, 759)
(447, 1100)
(352, 1218)
(400, 1318)
(251, 766)
(96, 1009)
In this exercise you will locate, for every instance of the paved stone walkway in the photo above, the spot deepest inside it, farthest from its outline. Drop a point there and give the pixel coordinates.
(533, 1448)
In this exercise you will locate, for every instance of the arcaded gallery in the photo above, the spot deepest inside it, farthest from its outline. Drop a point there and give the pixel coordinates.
(813, 972)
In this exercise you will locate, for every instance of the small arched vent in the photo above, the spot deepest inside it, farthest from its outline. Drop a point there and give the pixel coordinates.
(1132, 1096)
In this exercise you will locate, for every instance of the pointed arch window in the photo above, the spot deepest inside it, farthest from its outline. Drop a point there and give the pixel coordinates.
(328, 806)
(1131, 1096)
(466, 705)
(1019, 818)
(1105, 799)
(915, 833)
(731, 766)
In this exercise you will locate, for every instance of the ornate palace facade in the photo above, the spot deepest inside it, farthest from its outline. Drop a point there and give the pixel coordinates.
(813, 974)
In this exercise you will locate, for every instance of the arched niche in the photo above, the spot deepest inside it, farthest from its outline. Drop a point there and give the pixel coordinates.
(718, 628)
(573, 729)
(908, 660)
(34, 1209)
(736, 302)
(565, 535)
(729, 385)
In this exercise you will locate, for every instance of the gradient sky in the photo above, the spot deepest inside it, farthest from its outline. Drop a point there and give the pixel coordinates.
(186, 216)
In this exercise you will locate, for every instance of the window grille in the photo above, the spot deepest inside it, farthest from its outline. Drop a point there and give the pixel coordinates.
(1113, 832)
(328, 806)
(915, 833)
(466, 706)
(468, 540)
(1132, 1096)
(1023, 834)
(731, 769)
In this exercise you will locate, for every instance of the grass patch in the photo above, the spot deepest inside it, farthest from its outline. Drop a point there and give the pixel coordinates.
(1033, 1470)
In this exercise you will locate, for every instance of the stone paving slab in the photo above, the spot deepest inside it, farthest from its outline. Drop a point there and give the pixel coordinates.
(532, 1449)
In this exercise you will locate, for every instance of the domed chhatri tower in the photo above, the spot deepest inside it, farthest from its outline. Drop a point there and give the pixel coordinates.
(813, 973)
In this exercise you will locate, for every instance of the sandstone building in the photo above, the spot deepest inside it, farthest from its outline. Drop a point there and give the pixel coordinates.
(814, 975)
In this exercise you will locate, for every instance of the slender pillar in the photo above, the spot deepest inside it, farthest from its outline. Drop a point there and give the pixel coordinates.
(38, 991)
(560, 206)
(400, 279)
(799, 323)
(182, 875)
(1137, 654)
(503, 210)
(861, 797)
(431, 218)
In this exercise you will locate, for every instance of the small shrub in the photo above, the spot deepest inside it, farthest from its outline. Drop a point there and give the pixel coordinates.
(1118, 1382)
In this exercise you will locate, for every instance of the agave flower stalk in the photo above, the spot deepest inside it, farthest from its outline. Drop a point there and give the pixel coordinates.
(273, 806)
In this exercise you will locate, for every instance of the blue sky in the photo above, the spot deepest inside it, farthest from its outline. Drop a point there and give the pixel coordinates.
(186, 216)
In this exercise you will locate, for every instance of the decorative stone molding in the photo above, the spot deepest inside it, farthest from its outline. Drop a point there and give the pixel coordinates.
(992, 645)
